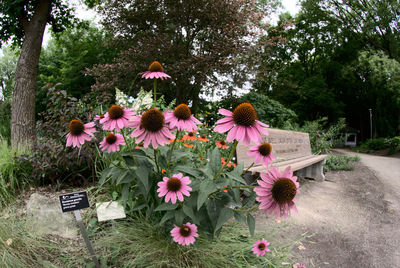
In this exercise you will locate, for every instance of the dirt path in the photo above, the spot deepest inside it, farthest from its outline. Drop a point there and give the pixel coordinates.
(353, 217)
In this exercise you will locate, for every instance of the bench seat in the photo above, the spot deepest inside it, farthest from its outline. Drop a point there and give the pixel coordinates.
(291, 149)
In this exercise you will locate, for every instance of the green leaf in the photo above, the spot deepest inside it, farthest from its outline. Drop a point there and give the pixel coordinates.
(224, 216)
(143, 175)
(179, 217)
(215, 160)
(189, 171)
(233, 175)
(166, 206)
(167, 216)
(239, 216)
(105, 175)
(206, 188)
(189, 212)
(251, 222)
(124, 177)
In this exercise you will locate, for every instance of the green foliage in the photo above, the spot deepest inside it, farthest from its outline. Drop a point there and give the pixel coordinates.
(66, 57)
(5, 119)
(269, 111)
(14, 13)
(142, 243)
(13, 174)
(8, 64)
(340, 162)
(322, 135)
(394, 144)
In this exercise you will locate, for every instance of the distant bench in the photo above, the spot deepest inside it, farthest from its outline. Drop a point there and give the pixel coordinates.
(290, 148)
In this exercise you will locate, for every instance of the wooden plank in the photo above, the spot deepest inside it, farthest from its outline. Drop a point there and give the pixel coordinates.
(286, 145)
(294, 164)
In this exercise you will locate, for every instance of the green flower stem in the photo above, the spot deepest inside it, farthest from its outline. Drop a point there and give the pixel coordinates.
(246, 210)
(155, 160)
(242, 187)
(227, 161)
(252, 164)
(155, 92)
(172, 149)
(129, 148)
(105, 159)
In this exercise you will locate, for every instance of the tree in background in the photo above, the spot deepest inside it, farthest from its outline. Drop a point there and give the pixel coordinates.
(196, 41)
(325, 66)
(8, 63)
(23, 22)
(66, 57)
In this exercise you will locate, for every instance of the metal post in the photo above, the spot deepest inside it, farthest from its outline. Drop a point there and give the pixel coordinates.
(78, 218)
(370, 122)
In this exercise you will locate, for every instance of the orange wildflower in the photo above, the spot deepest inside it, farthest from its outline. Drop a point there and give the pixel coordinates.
(203, 138)
(189, 137)
(188, 145)
(225, 190)
(163, 170)
(221, 144)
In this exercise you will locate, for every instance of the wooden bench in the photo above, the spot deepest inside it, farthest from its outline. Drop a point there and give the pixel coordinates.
(290, 148)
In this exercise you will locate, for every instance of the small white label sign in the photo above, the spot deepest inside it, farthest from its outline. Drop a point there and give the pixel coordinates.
(110, 211)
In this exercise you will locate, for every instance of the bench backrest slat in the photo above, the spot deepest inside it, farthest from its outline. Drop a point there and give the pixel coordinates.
(286, 145)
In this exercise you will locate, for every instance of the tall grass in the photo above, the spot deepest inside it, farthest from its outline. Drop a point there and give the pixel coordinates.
(140, 243)
(12, 177)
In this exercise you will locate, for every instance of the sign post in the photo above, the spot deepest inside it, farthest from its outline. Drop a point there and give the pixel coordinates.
(74, 202)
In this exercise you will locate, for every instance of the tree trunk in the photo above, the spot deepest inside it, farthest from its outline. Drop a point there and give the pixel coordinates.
(23, 105)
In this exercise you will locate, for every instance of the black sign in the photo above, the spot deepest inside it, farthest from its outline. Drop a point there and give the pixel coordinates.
(74, 201)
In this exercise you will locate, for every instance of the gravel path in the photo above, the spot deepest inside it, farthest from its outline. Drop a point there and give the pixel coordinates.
(350, 220)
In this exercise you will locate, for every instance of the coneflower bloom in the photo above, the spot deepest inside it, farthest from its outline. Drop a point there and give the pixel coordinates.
(222, 144)
(155, 71)
(98, 117)
(262, 153)
(260, 247)
(111, 142)
(203, 138)
(174, 188)
(185, 234)
(242, 124)
(299, 265)
(116, 118)
(230, 164)
(276, 191)
(150, 127)
(189, 137)
(182, 118)
(79, 133)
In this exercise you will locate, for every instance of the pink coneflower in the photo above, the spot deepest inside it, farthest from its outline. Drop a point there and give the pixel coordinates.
(155, 71)
(276, 191)
(116, 118)
(182, 118)
(222, 144)
(111, 142)
(150, 127)
(79, 133)
(174, 187)
(189, 137)
(262, 153)
(185, 234)
(260, 247)
(242, 124)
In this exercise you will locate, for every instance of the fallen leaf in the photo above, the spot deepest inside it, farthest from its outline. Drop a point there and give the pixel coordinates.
(301, 247)
(8, 242)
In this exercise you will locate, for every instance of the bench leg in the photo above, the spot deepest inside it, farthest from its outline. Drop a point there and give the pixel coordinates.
(315, 171)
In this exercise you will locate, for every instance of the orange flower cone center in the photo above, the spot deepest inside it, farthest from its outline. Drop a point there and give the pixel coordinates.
(111, 138)
(76, 127)
(152, 120)
(283, 191)
(174, 185)
(115, 112)
(222, 143)
(184, 231)
(261, 246)
(265, 149)
(182, 112)
(156, 67)
(245, 115)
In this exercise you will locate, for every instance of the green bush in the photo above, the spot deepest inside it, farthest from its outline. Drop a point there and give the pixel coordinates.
(394, 144)
(322, 136)
(373, 145)
(5, 118)
(340, 162)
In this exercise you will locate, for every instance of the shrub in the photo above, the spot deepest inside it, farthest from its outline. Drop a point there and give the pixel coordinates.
(373, 145)
(5, 118)
(394, 144)
(322, 137)
(340, 162)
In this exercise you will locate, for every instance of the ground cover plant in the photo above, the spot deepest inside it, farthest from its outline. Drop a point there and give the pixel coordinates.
(160, 164)
(340, 162)
(371, 145)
